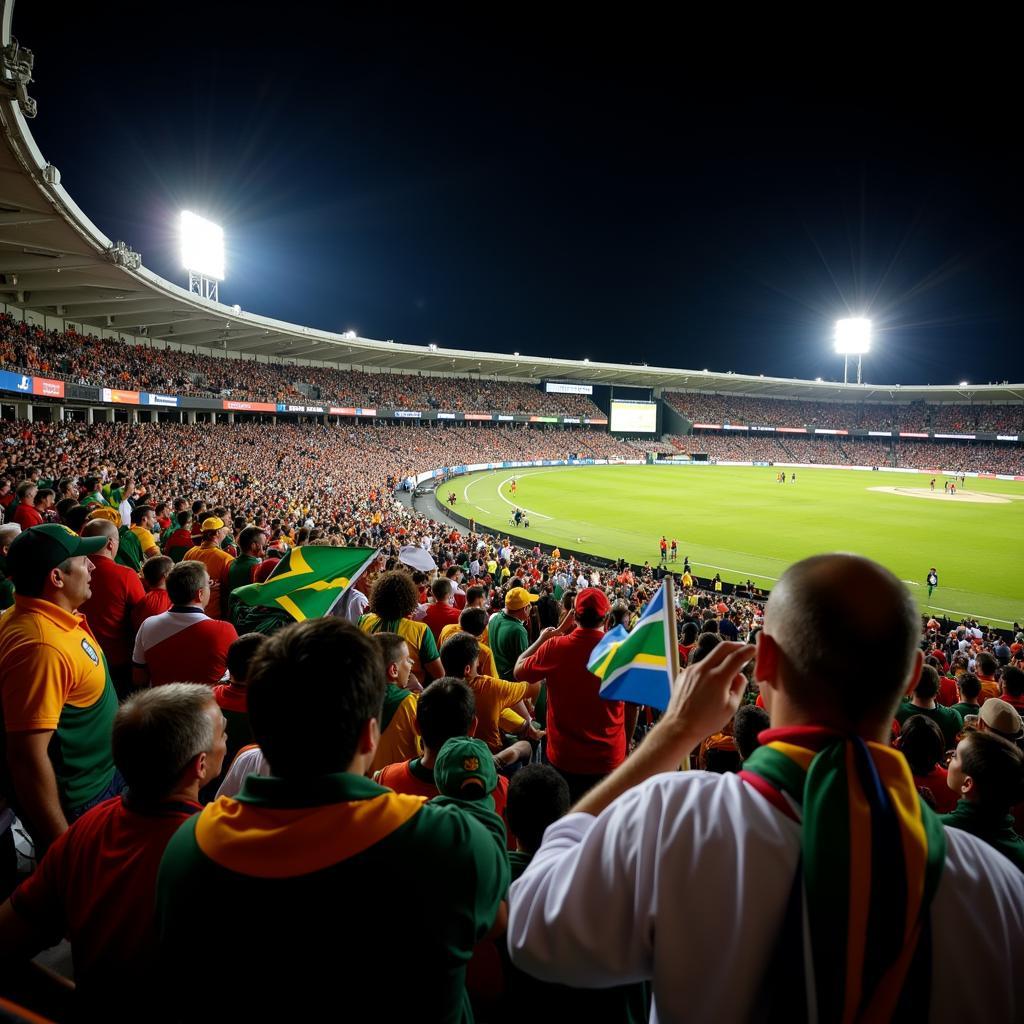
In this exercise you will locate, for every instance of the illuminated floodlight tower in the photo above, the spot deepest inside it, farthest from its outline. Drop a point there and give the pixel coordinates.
(853, 338)
(202, 254)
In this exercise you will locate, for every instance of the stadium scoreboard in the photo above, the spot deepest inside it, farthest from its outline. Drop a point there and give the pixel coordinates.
(633, 417)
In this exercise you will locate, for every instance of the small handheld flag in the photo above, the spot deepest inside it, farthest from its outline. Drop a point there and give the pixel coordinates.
(639, 666)
(308, 582)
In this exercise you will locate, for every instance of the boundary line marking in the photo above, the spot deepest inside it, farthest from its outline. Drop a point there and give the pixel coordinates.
(707, 565)
(539, 515)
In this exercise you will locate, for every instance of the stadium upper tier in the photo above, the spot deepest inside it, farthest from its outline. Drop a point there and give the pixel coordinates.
(87, 359)
(109, 363)
(704, 410)
(60, 270)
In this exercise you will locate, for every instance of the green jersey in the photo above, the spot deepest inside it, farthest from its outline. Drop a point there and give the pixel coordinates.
(320, 879)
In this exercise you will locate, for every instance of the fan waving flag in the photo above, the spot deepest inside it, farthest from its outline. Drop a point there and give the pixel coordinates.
(308, 582)
(637, 666)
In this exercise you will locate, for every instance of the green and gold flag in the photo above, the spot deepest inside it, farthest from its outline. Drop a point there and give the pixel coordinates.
(308, 582)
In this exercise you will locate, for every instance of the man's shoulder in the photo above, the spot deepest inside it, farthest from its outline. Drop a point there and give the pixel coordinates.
(492, 682)
(215, 629)
(978, 883)
(410, 628)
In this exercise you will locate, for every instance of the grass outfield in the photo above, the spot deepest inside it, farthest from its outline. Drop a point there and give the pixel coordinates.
(738, 521)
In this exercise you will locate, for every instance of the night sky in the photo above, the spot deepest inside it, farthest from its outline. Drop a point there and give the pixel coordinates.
(636, 193)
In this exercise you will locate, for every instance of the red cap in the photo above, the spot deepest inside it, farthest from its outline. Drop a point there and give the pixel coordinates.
(594, 599)
(264, 569)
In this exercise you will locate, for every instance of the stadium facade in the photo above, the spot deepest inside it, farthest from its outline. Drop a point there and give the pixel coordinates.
(60, 272)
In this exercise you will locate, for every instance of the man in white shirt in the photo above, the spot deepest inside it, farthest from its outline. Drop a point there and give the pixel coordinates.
(713, 886)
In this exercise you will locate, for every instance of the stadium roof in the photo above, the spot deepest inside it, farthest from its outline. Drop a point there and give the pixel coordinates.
(55, 261)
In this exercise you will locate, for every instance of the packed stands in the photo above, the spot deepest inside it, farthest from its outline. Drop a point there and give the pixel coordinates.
(87, 359)
(785, 412)
(313, 485)
(283, 469)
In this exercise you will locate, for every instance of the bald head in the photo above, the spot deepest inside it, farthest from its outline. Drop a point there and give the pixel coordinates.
(830, 614)
(103, 528)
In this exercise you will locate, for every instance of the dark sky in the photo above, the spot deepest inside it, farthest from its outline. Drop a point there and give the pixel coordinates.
(634, 192)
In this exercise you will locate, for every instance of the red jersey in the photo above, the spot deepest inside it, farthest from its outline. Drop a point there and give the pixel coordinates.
(97, 886)
(586, 733)
(935, 783)
(438, 616)
(178, 543)
(947, 695)
(155, 602)
(27, 516)
(116, 590)
(184, 645)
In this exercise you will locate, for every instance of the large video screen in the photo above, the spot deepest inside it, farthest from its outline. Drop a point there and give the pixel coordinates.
(634, 417)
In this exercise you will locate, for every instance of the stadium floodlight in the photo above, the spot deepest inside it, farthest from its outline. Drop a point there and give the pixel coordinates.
(852, 338)
(202, 254)
(964, 384)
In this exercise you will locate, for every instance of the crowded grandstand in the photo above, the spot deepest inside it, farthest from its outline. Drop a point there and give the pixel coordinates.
(287, 731)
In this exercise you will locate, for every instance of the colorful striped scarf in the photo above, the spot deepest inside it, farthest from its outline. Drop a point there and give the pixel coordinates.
(871, 856)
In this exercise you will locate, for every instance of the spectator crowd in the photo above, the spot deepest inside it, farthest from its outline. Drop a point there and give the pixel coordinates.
(106, 362)
(699, 407)
(434, 760)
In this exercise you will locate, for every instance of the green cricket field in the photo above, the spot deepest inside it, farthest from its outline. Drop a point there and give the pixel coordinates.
(740, 522)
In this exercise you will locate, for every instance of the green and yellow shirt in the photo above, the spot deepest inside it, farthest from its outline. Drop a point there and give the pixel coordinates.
(53, 677)
(417, 635)
(320, 875)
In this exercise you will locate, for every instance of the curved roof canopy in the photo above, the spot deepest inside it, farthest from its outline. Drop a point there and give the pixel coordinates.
(55, 261)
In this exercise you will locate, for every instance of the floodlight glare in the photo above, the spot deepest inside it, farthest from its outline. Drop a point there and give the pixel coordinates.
(853, 336)
(202, 246)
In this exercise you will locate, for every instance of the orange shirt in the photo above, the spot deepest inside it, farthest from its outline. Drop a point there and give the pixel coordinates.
(217, 562)
(492, 697)
(989, 688)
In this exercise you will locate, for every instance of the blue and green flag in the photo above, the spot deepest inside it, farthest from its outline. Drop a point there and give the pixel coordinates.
(637, 666)
(308, 582)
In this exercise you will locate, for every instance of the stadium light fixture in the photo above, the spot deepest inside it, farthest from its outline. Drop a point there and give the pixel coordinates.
(852, 338)
(964, 384)
(202, 254)
(432, 347)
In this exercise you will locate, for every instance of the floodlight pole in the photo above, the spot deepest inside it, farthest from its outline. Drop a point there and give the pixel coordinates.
(859, 357)
(204, 287)
(846, 366)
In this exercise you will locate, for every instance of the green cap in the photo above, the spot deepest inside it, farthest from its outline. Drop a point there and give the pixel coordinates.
(464, 768)
(41, 548)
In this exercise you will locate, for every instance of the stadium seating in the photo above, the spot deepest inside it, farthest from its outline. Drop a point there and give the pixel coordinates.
(783, 412)
(86, 359)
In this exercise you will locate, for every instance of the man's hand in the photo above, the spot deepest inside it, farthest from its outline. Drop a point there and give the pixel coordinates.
(706, 695)
(704, 698)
